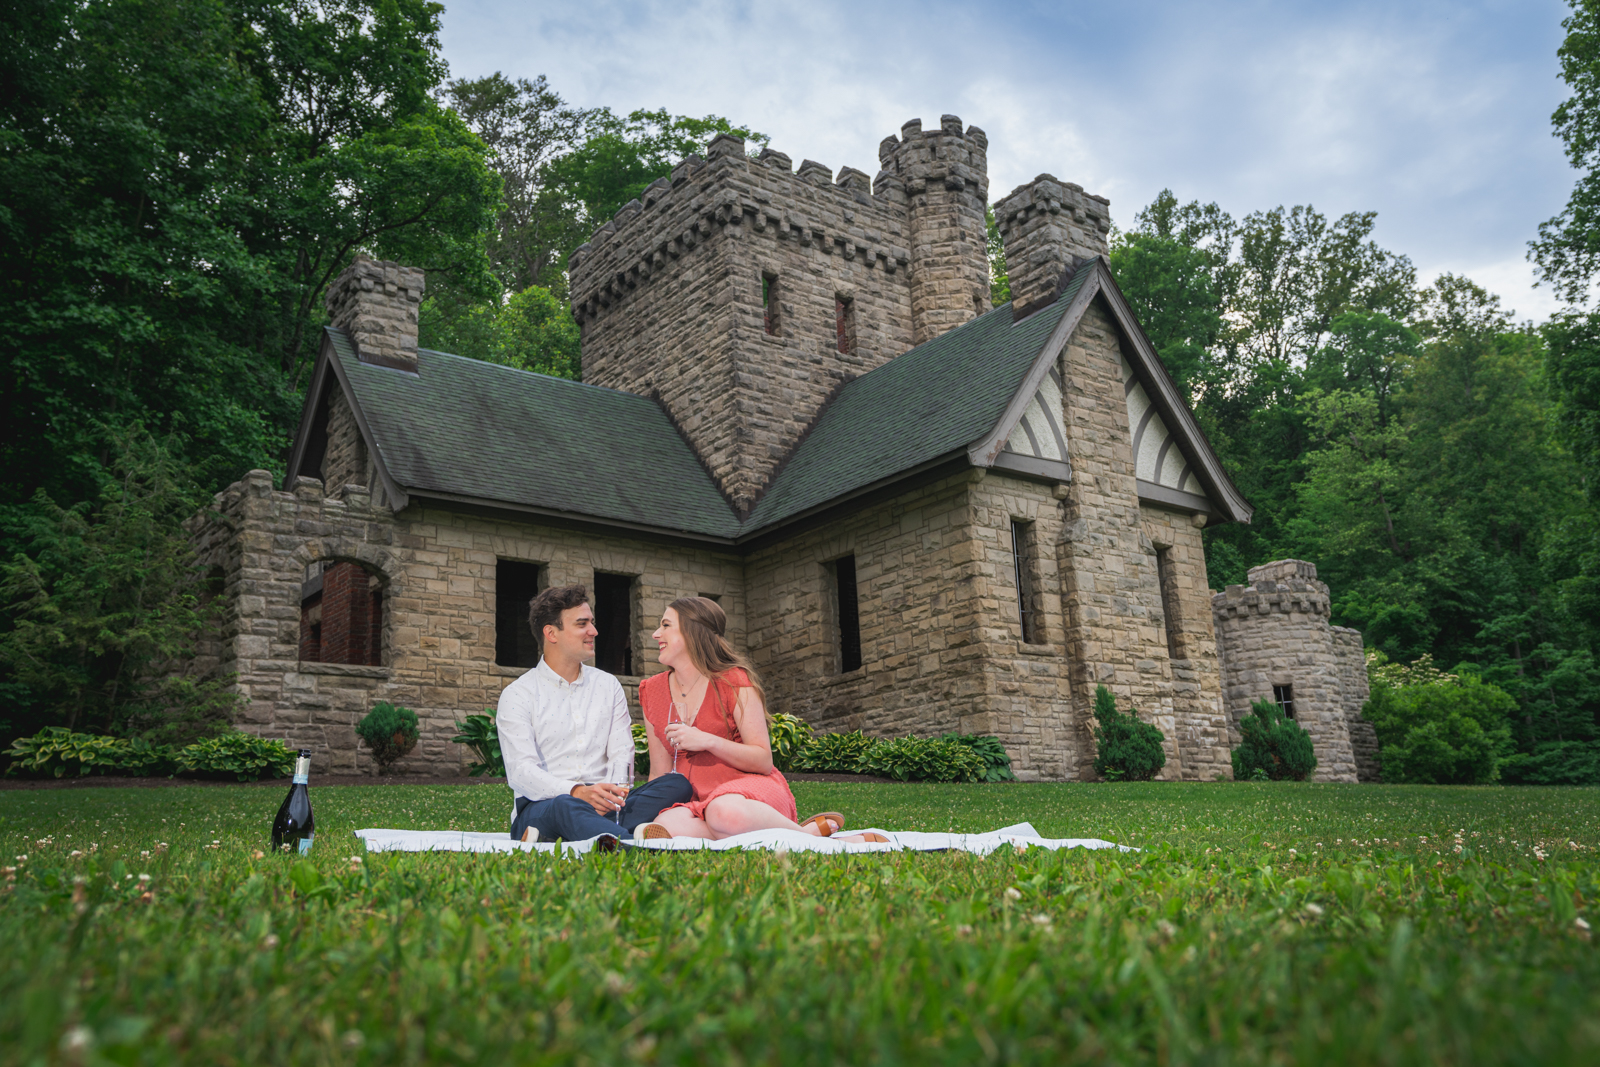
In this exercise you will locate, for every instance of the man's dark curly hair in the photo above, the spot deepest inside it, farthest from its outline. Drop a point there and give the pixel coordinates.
(546, 608)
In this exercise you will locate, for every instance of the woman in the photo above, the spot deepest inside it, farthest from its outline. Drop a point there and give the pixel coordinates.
(717, 734)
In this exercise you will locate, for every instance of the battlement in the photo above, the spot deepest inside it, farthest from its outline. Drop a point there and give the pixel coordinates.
(762, 195)
(1285, 586)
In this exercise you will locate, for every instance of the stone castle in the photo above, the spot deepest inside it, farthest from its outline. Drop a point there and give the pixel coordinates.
(921, 513)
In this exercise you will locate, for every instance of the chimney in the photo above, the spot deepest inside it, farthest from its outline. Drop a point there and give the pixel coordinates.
(1048, 228)
(376, 304)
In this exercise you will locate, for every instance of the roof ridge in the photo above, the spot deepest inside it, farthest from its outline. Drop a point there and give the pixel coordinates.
(536, 374)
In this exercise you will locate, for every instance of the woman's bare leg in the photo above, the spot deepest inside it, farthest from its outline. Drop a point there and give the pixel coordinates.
(680, 823)
(732, 814)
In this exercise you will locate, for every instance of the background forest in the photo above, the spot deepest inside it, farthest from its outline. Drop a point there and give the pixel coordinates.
(181, 179)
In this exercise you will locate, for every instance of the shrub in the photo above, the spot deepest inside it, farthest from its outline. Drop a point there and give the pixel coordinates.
(641, 749)
(1438, 728)
(482, 735)
(918, 759)
(996, 762)
(789, 734)
(57, 751)
(1275, 747)
(240, 755)
(390, 732)
(833, 753)
(1126, 748)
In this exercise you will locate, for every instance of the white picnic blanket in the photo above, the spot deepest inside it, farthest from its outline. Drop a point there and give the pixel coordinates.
(1022, 835)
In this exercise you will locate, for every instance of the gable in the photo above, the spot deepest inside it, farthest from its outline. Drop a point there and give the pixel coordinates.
(1157, 456)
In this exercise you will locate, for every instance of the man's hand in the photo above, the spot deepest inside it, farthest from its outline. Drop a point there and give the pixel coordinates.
(604, 797)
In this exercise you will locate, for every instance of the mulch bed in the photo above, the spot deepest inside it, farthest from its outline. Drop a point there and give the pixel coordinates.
(98, 781)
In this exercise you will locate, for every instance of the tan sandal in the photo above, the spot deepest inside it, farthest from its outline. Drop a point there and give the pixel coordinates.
(828, 822)
(870, 838)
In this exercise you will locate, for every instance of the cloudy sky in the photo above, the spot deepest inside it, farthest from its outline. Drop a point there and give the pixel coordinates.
(1434, 114)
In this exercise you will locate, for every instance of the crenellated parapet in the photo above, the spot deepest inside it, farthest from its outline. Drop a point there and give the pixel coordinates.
(1286, 587)
(676, 217)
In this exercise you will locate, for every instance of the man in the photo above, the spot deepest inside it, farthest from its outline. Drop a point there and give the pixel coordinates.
(566, 737)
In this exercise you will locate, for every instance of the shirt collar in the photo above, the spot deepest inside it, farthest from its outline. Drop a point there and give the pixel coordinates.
(548, 674)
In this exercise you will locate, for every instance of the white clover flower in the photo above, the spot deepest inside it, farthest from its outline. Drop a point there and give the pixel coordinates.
(77, 1040)
(1581, 923)
(1013, 893)
(1314, 910)
(144, 878)
(270, 941)
(1166, 929)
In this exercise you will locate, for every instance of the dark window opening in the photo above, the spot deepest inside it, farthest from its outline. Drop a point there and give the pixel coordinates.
(1022, 571)
(515, 584)
(769, 303)
(844, 324)
(341, 615)
(847, 613)
(1167, 577)
(613, 617)
(715, 598)
(1283, 696)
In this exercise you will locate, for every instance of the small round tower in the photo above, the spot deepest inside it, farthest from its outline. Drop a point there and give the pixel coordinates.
(1275, 643)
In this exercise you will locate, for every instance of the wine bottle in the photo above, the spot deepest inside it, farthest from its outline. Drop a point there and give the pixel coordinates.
(294, 829)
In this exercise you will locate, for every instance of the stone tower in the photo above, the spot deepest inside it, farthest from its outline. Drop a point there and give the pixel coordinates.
(1275, 643)
(1048, 226)
(744, 291)
(944, 174)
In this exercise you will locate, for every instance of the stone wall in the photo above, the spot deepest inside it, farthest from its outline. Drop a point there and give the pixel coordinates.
(1355, 689)
(1111, 588)
(669, 294)
(1275, 631)
(437, 572)
(344, 462)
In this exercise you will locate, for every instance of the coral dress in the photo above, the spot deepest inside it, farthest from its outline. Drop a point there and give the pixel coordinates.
(709, 776)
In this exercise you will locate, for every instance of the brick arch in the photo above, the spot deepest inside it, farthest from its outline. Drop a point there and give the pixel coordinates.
(346, 621)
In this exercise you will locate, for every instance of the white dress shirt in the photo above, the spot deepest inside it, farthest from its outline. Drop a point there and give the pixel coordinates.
(556, 734)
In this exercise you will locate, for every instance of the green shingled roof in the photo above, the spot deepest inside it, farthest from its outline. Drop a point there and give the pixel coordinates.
(483, 431)
(938, 398)
(480, 431)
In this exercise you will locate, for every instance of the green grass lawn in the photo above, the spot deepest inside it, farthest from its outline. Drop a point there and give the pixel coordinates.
(1260, 923)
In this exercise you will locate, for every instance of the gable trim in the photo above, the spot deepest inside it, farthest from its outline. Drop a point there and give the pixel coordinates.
(984, 452)
(327, 371)
(1163, 392)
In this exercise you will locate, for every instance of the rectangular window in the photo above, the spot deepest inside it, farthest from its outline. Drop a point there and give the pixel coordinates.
(844, 325)
(1022, 572)
(613, 617)
(515, 584)
(769, 303)
(1166, 575)
(847, 613)
(1283, 696)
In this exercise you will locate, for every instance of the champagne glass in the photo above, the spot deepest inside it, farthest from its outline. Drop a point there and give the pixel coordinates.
(620, 775)
(678, 713)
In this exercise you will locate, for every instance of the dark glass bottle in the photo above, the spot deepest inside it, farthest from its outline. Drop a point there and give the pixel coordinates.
(294, 829)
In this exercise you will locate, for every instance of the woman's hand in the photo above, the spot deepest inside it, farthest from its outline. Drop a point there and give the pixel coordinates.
(688, 739)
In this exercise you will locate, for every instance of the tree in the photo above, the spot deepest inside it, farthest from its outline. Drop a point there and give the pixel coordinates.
(1567, 251)
(526, 125)
(1438, 728)
(106, 606)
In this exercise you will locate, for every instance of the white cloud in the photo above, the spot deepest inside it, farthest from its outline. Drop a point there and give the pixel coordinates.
(1436, 114)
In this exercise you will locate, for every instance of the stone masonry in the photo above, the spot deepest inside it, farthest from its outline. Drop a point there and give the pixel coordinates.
(437, 574)
(1047, 225)
(687, 264)
(376, 304)
(1275, 632)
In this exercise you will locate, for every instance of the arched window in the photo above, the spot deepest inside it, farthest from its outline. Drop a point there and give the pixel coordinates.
(341, 614)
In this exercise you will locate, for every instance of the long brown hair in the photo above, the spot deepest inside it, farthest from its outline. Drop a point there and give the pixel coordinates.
(704, 623)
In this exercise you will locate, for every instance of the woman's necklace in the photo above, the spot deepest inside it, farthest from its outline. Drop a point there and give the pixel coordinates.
(691, 711)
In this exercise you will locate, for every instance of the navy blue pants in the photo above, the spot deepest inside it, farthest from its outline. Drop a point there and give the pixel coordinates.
(571, 819)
